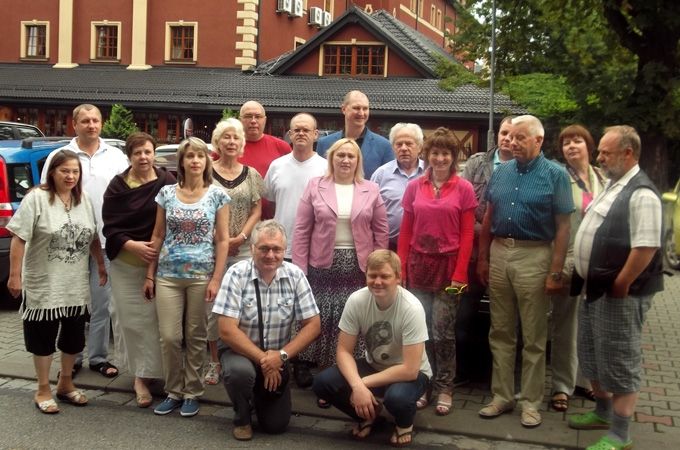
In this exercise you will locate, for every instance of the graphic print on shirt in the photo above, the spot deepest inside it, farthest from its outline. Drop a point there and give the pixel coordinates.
(378, 338)
(70, 243)
(189, 226)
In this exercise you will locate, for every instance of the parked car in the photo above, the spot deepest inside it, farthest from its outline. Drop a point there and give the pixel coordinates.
(21, 162)
(18, 130)
(119, 144)
(166, 156)
(671, 244)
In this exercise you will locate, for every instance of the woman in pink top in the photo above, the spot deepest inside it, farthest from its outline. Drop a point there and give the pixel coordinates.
(435, 244)
(341, 219)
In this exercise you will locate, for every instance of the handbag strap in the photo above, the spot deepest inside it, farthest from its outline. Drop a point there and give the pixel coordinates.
(260, 324)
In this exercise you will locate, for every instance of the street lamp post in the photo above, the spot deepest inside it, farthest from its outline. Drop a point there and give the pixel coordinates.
(490, 138)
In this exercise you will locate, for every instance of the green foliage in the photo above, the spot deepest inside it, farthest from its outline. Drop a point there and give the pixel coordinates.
(120, 124)
(543, 94)
(228, 113)
(453, 74)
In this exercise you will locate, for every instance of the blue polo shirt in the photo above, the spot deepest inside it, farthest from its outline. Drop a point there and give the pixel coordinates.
(526, 198)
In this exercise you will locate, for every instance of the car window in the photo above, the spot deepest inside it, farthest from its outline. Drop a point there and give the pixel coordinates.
(6, 132)
(20, 181)
(28, 132)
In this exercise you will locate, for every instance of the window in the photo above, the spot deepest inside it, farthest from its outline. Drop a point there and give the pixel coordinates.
(439, 19)
(55, 122)
(28, 115)
(433, 14)
(34, 40)
(107, 42)
(147, 123)
(354, 60)
(174, 125)
(181, 42)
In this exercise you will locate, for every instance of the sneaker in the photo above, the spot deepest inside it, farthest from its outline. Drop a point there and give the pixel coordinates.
(167, 406)
(588, 421)
(189, 407)
(212, 375)
(607, 443)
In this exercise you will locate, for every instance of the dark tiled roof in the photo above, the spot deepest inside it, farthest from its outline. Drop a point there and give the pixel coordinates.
(213, 89)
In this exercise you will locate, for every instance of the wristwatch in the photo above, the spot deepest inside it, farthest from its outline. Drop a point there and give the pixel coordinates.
(284, 355)
(556, 276)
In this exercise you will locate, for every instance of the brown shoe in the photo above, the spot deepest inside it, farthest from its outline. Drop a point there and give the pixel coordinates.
(242, 433)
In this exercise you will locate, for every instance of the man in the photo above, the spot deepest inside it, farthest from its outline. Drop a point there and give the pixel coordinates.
(407, 141)
(260, 149)
(616, 252)
(524, 240)
(100, 163)
(284, 184)
(375, 149)
(288, 175)
(286, 297)
(392, 322)
(478, 170)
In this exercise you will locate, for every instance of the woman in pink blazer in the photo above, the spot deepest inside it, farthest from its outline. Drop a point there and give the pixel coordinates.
(340, 220)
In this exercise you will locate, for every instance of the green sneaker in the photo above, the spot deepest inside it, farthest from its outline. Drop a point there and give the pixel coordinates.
(588, 421)
(607, 443)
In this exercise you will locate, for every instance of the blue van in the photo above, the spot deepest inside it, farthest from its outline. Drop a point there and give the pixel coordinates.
(21, 162)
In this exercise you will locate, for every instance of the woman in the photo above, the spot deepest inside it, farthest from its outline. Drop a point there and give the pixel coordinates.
(244, 186)
(586, 182)
(192, 221)
(53, 234)
(340, 220)
(435, 244)
(129, 214)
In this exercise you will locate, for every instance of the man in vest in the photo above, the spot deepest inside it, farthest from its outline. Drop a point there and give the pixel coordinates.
(616, 253)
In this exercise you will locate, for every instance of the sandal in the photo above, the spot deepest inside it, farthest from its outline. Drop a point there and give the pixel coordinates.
(47, 406)
(361, 430)
(585, 393)
(323, 404)
(422, 401)
(212, 375)
(559, 401)
(400, 433)
(443, 407)
(103, 368)
(76, 398)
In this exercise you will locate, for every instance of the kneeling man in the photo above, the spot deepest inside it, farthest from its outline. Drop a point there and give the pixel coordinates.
(256, 340)
(392, 322)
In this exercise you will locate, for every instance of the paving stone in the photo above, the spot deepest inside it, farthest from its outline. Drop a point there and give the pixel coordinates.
(644, 418)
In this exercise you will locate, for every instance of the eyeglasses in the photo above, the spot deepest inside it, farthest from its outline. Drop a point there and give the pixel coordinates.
(301, 131)
(455, 290)
(265, 250)
(252, 116)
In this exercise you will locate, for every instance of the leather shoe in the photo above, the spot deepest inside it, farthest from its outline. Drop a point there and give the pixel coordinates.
(495, 409)
(242, 433)
(530, 418)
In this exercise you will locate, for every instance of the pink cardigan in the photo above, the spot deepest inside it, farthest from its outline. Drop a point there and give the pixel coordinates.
(316, 219)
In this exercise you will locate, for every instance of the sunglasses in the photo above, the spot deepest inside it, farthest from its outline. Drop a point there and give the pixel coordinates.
(455, 290)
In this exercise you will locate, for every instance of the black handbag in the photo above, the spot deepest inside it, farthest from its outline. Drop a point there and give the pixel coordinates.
(260, 390)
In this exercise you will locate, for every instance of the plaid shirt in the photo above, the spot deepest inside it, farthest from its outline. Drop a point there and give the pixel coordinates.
(287, 299)
(644, 218)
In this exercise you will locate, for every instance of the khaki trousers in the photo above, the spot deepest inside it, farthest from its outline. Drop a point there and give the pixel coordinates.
(180, 306)
(516, 284)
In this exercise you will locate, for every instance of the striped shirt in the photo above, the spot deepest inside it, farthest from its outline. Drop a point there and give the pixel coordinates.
(526, 199)
(287, 299)
(644, 217)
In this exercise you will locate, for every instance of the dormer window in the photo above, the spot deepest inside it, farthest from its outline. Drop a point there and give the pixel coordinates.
(354, 60)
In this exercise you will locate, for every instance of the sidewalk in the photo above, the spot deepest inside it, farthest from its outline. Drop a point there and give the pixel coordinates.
(657, 418)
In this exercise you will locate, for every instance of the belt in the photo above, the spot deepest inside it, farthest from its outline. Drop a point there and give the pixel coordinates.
(510, 242)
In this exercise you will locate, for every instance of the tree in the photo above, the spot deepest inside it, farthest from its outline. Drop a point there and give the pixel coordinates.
(228, 113)
(619, 60)
(120, 124)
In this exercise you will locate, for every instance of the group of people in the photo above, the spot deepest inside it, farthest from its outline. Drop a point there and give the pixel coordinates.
(370, 281)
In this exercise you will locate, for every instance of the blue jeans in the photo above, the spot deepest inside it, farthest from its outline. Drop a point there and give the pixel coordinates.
(100, 316)
(399, 398)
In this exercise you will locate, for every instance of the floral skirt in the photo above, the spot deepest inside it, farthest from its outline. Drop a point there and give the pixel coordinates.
(331, 288)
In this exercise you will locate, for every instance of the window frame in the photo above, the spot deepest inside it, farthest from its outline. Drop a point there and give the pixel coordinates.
(24, 41)
(94, 41)
(169, 26)
(354, 56)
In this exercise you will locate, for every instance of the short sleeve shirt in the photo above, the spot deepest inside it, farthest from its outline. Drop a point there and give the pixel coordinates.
(188, 250)
(386, 332)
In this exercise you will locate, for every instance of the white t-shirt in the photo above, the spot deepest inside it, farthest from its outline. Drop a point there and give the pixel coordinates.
(386, 332)
(98, 170)
(55, 274)
(285, 183)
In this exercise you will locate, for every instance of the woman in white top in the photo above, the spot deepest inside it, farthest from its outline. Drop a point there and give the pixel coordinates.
(53, 234)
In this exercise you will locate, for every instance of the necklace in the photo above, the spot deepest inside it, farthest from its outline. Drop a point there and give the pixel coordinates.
(67, 204)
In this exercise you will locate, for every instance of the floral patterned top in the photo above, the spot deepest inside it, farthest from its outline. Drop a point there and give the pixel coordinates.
(188, 250)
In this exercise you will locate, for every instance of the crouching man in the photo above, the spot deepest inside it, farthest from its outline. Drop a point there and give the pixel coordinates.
(392, 322)
(258, 303)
